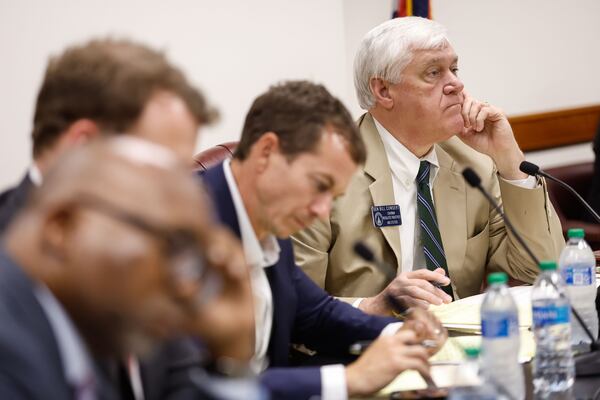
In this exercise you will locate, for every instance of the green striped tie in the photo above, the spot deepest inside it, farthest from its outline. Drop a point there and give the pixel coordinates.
(430, 232)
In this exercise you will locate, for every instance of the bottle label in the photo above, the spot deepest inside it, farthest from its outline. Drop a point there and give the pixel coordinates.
(576, 275)
(499, 327)
(550, 315)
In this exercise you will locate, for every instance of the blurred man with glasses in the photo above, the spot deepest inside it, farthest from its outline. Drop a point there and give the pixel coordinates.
(103, 262)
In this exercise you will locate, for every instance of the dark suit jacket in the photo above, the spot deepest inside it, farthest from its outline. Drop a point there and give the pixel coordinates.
(169, 373)
(303, 313)
(12, 200)
(30, 363)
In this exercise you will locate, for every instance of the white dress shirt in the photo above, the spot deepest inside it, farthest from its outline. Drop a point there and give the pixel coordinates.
(259, 255)
(77, 362)
(35, 175)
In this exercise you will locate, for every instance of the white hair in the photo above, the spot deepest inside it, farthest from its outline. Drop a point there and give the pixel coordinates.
(389, 47)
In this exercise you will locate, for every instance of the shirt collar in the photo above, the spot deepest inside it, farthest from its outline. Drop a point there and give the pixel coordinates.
(77, 362)
(35, 175)
(403, 163)
(258, 253)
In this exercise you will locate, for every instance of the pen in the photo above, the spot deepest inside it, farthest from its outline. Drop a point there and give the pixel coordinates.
(359, 347)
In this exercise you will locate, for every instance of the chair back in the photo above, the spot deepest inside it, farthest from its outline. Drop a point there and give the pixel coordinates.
(213, 156)
(571, 213)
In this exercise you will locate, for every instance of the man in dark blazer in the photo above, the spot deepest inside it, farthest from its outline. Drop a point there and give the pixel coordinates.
(298, 150)
(86, 272)
(108, 87)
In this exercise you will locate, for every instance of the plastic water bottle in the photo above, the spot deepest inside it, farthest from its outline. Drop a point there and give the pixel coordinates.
(553, 367)
(500, 339)
(468, 382)
(577, 267)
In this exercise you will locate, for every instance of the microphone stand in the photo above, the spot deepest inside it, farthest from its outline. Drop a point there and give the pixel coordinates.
(589, 209)
(587, 364)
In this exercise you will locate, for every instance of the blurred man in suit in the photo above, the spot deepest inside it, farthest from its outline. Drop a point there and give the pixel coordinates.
(298, 150)
(108, 87)
(103, 261)
(410, 202)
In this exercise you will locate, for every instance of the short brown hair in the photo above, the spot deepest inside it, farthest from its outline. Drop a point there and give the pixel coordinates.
(297, 112)
(108, 81)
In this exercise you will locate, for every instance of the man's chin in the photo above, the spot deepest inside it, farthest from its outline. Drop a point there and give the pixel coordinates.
(283, 233)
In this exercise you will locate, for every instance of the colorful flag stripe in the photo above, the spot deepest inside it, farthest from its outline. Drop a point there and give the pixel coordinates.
(417, 8)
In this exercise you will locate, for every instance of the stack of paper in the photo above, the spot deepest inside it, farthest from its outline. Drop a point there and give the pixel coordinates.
(464, 315)
(445, 362)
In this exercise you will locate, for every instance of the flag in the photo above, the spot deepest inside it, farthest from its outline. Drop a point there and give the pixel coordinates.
(417, 8)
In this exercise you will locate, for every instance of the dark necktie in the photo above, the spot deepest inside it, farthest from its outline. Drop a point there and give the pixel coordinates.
(430, 232)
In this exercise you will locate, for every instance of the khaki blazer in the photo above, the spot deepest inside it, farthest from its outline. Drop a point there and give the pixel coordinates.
(474, 237)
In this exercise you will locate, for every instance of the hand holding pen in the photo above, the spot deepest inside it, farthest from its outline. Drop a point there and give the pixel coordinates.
(384, 359)
(417, 289)
(421, 329)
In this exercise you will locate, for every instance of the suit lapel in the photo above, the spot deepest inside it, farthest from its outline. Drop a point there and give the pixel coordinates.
(18, 288)
(216, 185)
(449, 195)
(381, 189)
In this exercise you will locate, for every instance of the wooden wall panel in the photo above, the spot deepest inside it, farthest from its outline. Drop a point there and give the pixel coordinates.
(557, 128)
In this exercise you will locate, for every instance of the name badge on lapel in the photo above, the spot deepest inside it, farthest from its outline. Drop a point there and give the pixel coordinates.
(386, 216)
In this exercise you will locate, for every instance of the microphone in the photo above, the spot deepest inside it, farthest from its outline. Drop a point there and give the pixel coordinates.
(534, 170)
(586, 364)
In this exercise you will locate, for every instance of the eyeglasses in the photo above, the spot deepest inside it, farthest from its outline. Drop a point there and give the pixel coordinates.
(180, 246)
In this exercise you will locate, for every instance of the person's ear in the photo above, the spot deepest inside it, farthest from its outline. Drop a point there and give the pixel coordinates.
(264, 148)
(80, 132)
(381, 91)
(57, 232)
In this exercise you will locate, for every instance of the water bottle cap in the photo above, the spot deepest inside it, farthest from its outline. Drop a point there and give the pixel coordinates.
(547, 265)
(497, 277)
(575, 233)
(472, 352)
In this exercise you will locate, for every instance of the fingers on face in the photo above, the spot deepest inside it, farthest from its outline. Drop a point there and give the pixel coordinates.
(482, 115)
(466, 109)
(474, 114)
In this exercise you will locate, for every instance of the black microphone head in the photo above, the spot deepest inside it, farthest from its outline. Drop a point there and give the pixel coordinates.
(529, 168)
(363, 251)
(471, 177)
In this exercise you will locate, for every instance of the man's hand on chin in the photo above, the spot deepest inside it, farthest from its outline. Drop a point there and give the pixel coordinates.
(488, 131)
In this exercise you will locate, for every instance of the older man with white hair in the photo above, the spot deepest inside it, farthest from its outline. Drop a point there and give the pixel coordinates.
(410, 204)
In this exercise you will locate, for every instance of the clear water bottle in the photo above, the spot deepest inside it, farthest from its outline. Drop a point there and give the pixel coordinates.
(553, 367)
(577, 267)
(500, 339)
(468, 382)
